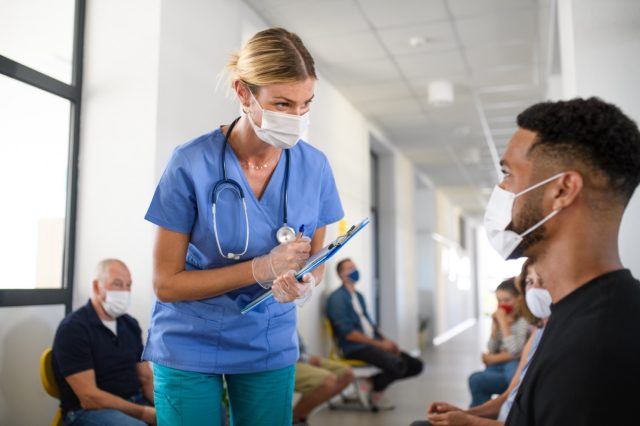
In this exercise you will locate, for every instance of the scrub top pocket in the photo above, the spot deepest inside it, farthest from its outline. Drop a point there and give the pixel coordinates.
(181, 338)
(281, 332)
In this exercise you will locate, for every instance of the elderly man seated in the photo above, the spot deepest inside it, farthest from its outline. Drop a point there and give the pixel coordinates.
(96, 357)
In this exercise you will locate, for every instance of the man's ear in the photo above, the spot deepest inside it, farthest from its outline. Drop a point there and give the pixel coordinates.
(567, 189)
(95, 285)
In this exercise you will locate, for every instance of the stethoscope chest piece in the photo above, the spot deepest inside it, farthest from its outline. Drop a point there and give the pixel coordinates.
(285, 234)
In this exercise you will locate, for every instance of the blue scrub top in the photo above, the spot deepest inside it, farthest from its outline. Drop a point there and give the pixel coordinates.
(210, 335)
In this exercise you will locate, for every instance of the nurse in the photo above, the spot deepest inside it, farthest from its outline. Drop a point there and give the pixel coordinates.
(228, 207)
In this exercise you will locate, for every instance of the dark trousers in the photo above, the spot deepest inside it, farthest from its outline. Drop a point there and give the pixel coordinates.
(394, 367)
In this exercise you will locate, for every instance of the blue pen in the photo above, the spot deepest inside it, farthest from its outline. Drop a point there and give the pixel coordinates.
(301, 231)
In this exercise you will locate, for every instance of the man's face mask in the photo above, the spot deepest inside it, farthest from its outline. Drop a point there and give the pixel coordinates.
(279, 129)
(116, 303)
(498, 216)
(354, 275)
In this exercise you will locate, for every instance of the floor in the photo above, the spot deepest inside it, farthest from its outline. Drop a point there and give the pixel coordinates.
(444, 379)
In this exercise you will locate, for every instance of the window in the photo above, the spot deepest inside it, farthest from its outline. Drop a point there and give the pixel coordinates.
(40, 86)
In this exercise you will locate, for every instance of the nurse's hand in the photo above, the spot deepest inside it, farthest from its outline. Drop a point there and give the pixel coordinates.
(287, 288)
(309, 282)
(282, 258)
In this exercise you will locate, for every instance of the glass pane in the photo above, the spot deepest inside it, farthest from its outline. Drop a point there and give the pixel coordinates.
(39, 34)
(34, 146)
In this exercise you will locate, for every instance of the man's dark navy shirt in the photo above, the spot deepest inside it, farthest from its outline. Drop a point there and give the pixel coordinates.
(83, 342)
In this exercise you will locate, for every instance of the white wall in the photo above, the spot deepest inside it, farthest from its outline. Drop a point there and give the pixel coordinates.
(426, 277)
(398, 289)
(117, 144)
(606, 43)
(25, 332)
(454, 294)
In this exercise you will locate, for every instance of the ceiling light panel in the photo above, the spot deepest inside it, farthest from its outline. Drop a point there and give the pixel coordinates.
(436, 35)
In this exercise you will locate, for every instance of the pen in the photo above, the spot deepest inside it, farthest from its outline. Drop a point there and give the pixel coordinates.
(300, 232)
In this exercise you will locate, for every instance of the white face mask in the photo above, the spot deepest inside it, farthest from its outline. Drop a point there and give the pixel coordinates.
(279, 129)
(497, 218)
(539, 302)
(117, 303)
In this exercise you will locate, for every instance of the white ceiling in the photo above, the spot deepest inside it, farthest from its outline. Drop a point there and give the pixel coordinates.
(494, 52)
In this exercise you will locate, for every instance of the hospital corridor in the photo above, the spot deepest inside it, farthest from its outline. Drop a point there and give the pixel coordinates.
(319, 212)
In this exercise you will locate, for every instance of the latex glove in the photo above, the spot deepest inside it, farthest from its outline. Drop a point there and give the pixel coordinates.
(309, 282)
(286, 288)
(291, 255)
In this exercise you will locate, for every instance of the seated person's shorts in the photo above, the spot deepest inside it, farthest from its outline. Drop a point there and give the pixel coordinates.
(309, 377)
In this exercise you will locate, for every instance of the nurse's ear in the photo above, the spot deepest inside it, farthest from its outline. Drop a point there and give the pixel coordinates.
(242, 92)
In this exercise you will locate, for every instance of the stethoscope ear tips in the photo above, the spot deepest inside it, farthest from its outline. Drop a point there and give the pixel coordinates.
(233, 256)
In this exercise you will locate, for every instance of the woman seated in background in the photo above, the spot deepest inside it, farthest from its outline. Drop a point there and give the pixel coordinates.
(495, 411)
(509, 333)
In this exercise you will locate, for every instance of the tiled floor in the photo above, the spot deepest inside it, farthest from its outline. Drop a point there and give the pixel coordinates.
(444, 378)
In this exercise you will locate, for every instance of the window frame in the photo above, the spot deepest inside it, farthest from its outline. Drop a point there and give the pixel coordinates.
(73, 93)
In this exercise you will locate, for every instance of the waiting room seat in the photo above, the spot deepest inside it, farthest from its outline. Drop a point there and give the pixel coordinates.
(361, 370)
(49, 382)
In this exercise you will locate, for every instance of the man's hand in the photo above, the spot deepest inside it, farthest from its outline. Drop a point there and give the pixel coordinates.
(148, 415)
(315, 360)
(452, 418)
(388, 346)
(439, 407)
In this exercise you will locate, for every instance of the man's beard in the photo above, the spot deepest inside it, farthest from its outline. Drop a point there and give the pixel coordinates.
(530, 215)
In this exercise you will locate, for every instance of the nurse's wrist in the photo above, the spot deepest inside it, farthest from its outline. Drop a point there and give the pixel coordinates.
(262, 271)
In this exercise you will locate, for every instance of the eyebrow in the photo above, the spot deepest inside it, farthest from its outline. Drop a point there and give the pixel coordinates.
(292, 101)
(504, 162)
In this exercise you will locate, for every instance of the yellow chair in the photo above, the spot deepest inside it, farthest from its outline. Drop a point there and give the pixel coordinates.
(334, 352)
(49, 382)
(361, 370)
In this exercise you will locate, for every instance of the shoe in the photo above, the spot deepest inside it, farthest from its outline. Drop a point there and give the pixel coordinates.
(379, 401)
(364, 392)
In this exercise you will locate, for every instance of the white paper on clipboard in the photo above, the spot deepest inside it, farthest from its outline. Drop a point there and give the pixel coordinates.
(314, 261)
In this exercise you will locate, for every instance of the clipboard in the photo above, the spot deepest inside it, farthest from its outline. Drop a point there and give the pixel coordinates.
(314, 261)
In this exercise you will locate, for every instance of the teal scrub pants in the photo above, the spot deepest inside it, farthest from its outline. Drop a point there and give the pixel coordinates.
(188, 398)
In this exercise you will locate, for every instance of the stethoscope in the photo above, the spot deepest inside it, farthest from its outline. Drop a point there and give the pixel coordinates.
(284, 234)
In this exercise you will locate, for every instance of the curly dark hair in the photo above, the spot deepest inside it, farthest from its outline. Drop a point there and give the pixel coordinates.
(596, 133)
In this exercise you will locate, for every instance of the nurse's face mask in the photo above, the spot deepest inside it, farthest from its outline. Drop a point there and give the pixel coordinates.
(278, 128)
(498, 216)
